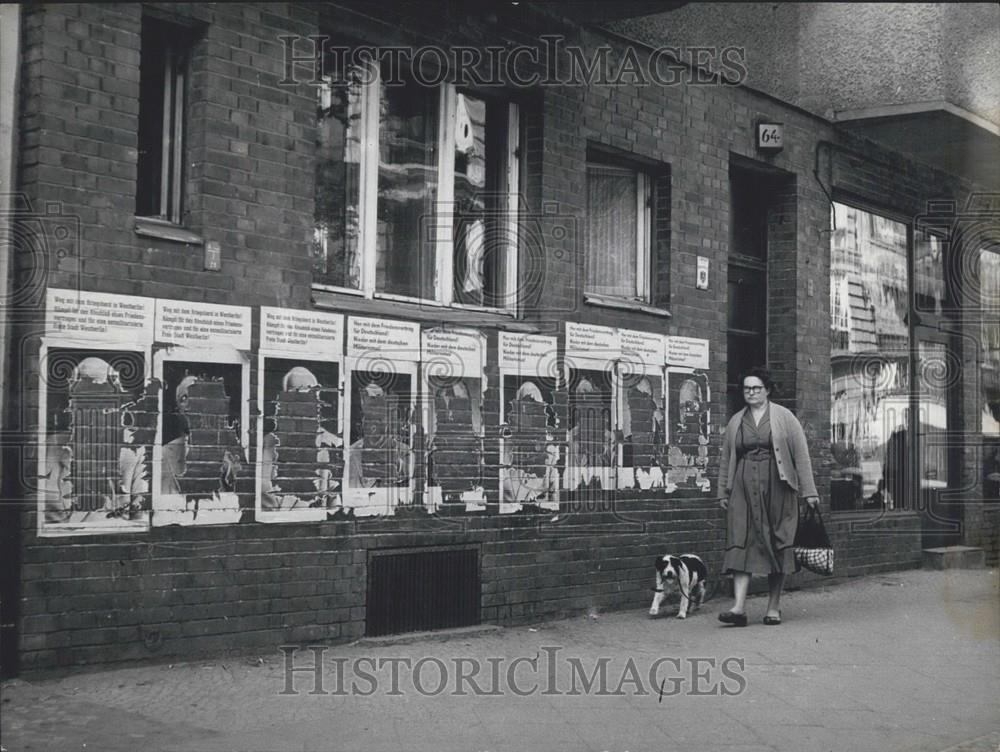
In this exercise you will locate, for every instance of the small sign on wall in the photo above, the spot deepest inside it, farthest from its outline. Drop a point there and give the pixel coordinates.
(701, 281)
(770, 136)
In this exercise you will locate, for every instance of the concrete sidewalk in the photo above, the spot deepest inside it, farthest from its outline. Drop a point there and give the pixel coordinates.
(904, 661)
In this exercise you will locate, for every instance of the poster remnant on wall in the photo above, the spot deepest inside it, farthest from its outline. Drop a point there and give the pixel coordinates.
(97, 414)
(592, 439)
(688, 427)
(300, 441)
(642, 410)
(453, 366)
(381, 371)
(529, 424)
(201, 471)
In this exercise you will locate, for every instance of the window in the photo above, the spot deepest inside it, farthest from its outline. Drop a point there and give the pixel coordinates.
(870, 356)
(162, 76)
(416, 190)
(989, 303)
(619, 230)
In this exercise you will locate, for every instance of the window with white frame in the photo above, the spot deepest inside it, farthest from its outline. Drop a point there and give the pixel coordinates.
(416, 190)
(162, 75)
(619, 230)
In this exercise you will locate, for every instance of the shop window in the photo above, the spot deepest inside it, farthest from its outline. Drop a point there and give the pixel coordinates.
(162, 82)
(989, 281)
(870, 359)
(416, 190)
(619, 229)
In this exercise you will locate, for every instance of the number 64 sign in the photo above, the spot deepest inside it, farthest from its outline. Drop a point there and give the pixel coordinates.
(770, 136)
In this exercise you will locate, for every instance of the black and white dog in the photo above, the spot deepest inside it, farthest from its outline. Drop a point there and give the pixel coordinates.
(689, 573)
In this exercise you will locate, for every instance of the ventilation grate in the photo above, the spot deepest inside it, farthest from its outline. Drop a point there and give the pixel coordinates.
(412, 591)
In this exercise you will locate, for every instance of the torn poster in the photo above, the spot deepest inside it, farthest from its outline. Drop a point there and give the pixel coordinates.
(97, 414)
(300, 441)
(529, 424)
(453, 364)
(688, 428)
(381, 365)
(593, 435)
(201, 474)
(640, 386)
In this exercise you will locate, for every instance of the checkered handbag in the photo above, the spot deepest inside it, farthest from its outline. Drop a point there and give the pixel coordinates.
(818, 560)
(812, 545)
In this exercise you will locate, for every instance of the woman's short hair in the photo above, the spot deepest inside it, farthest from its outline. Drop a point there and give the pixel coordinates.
(764, 375)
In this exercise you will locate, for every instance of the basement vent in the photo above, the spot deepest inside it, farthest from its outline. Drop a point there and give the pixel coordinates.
(417, 590)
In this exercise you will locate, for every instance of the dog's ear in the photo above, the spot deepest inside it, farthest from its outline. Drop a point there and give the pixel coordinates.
(661, 563)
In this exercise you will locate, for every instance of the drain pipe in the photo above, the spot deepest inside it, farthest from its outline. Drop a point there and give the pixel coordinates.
(10, 56)
(10, 519)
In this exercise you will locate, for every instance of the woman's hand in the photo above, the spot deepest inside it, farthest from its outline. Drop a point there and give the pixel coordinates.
(724, 503)
(813, 502)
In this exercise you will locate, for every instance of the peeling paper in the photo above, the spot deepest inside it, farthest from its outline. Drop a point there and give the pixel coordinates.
(200, 458)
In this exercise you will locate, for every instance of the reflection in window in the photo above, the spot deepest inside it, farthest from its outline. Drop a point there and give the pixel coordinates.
(933, 414)
(989, 286)
(928, 272)
(336, 260)
(870, 361)
(407, 184)
(481, 239)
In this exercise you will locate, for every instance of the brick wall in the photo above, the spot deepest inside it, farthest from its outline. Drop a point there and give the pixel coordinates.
(179, 592)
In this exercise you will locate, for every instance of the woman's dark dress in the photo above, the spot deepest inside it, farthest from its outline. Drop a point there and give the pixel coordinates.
(763, 509)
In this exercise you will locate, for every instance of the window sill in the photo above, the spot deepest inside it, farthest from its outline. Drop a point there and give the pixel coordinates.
(625, 305)
(158, 228)
(422, 311)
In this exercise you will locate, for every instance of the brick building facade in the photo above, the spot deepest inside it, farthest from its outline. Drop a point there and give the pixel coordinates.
(526, 403)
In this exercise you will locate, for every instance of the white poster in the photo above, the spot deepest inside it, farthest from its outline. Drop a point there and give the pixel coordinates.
(642, 348)
(289, 330)
(99, 317)
(377, 339)
(202, 325)
(599, 344)
(528, 353)
(687, 352)
(452, 352)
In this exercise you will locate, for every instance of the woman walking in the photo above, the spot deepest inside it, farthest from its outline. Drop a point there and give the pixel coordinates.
(763, 467)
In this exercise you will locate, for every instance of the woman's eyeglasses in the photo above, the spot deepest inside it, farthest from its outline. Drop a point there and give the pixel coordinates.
(753, 389)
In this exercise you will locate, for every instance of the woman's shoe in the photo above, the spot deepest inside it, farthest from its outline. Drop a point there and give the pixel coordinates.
(773, 621)
(737, 620)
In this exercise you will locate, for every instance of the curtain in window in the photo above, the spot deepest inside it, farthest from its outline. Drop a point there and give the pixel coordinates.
(611, 231)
